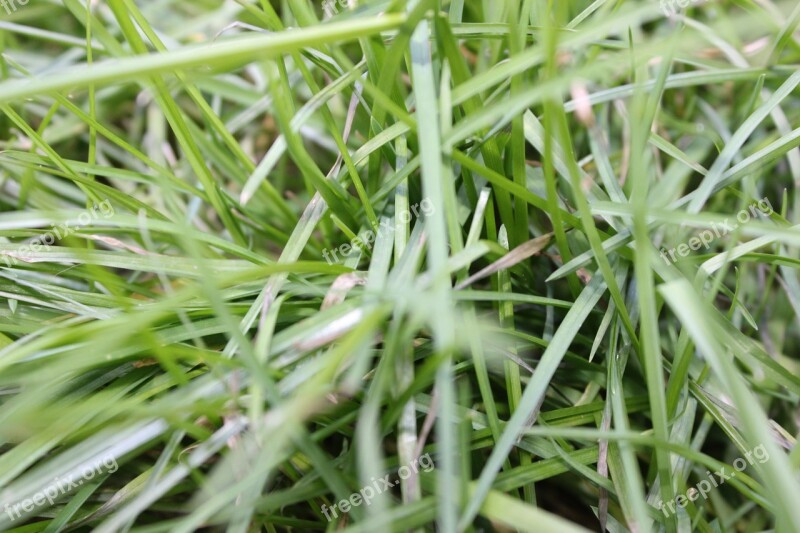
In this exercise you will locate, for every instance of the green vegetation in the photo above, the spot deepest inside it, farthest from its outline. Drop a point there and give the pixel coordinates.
(399, 265)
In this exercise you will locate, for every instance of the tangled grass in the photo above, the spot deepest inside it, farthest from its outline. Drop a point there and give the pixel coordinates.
(399, 265)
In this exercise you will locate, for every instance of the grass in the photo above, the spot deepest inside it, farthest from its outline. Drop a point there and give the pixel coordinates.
(256, 256)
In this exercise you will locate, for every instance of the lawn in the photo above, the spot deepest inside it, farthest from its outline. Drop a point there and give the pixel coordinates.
(399, 265)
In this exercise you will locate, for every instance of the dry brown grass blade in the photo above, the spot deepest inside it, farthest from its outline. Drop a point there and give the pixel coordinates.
(513, 257)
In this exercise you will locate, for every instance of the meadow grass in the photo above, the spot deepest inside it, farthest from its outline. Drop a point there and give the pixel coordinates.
(399, 265)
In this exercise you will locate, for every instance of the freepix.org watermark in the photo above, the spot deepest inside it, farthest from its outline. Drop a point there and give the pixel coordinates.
(62, 231)
(670, 7)
(706, 237)
(381, 485)
(714, 480)
(61, 486)
(366, 239)
(330, 6)
(11, 5)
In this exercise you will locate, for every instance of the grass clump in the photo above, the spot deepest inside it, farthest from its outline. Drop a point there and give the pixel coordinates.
(399, 266)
